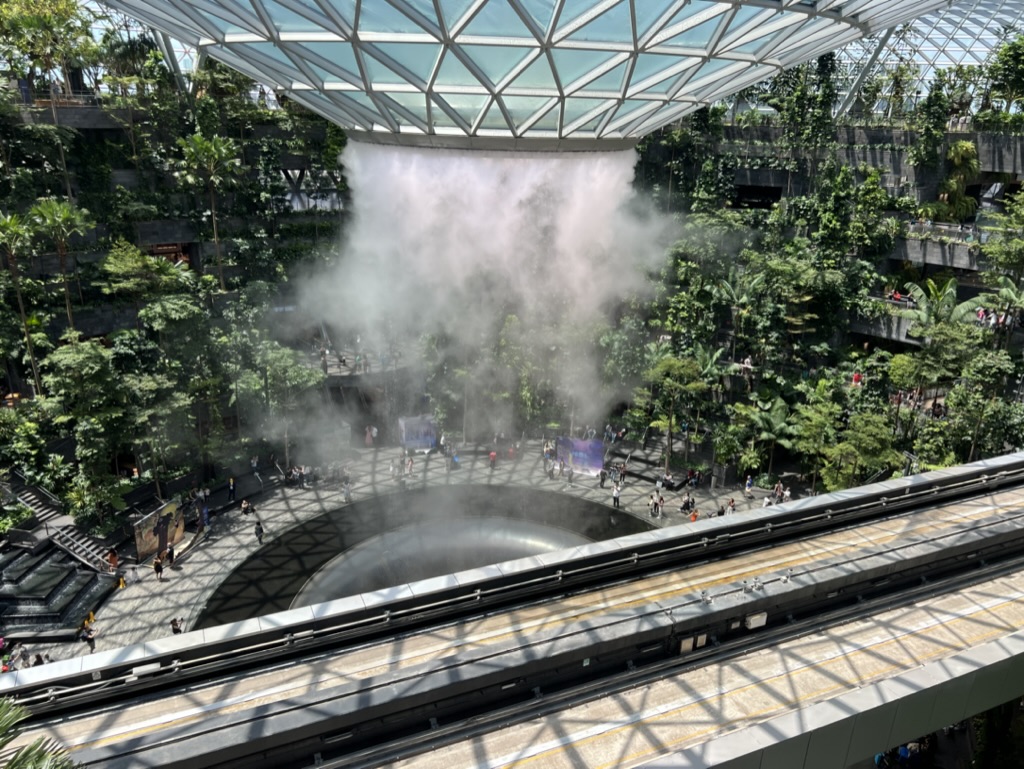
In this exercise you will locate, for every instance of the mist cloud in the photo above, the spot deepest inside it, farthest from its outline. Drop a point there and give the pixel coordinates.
(453, 241)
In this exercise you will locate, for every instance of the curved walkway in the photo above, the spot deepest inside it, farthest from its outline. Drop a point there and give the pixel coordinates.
(143, 610)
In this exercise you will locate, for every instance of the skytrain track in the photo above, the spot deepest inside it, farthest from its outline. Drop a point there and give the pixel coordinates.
(376, 699)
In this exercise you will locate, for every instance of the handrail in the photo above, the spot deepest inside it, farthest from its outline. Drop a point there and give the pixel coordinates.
(222, 651)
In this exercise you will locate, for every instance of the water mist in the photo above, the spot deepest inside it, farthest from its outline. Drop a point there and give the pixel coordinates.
(453, 241)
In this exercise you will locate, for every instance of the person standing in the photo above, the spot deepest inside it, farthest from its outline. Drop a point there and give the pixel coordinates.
(231, 489)
(259, 532)
(572, 474)
(731, 506)
(603, 476)
(748, 487)
(176, 628)
(170, 555)
(615, 496)
(158, 568)
(661, 505)
(651, 505)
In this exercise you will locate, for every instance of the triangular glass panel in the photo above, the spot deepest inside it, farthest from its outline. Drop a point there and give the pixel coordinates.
(540, 10)
(613, 26)
(695, 37)
(522, 108)
(362, 99)
(329, 77)
(335, 55)
(647, 15)
(494, 118)
(347, 10)
(572, 64)
(418, 58)
(497, 19)
(380, 73)
(537, 75)
(438, 117)
(575, 107)
(710, 68)
(664, 86)
(382, 17)
(691, 9)
(496, 60)
(632, 107)
(550, 121)
(287, 20)
(650, 64)
(745, 13)
(467, 105)
(454, 72)
(751, 47)
(453, 10)
(572, 10)
(426, 9)
(589, 127)
(609, 81)
(281, 61)
(413, 103)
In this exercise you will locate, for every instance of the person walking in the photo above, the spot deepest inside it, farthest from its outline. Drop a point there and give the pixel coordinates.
(661, 505)
(158, 568)
(615, 496)
(176, 628)
(572, 474)
(731, 506)
(231, 490)
(748, 488)
(170, 555)
(259, 532)
(651, 506)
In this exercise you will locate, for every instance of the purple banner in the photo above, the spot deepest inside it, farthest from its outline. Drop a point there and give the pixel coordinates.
(583, 456)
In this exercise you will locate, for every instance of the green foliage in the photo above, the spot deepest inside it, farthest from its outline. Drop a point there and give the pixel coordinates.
(866, 446)
(1006, 71)
(38, 754)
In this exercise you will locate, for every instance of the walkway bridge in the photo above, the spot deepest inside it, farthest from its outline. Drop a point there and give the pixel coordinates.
(814, 634)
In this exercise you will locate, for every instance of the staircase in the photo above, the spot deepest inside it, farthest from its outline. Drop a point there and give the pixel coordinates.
(45, 596)
(45, 507)
(81, 547)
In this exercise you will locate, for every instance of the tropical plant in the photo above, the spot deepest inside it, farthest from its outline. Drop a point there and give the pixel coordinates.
(211, 164)
(16, 234)
(39, 754)
(59, 221)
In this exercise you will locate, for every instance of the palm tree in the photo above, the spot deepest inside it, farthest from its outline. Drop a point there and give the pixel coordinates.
(59, 221)
(16, 234)
(40, 754)
(772, 425)
(211, 164)
(935, 303)
(738, 291)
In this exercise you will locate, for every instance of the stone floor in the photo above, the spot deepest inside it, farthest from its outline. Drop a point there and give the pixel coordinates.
(144, 609)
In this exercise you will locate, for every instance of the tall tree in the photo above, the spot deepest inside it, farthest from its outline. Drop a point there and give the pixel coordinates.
(674, 384)
(210, 164)
(1007, 72)
(59, 221)
(15, 235)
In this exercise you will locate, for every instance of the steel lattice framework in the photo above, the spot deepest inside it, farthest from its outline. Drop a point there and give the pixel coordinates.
(562, 69)
(965, 33)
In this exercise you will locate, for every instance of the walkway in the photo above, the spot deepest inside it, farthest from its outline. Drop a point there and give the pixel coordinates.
(144, 609)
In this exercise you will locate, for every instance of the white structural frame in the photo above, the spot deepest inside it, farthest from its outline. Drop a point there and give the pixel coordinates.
(446, 71)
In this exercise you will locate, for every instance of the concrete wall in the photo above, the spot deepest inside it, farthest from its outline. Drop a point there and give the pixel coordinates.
(957, 256)
(887, 327)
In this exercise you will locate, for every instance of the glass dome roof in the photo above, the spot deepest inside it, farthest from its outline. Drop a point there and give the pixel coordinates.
(431, 70)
